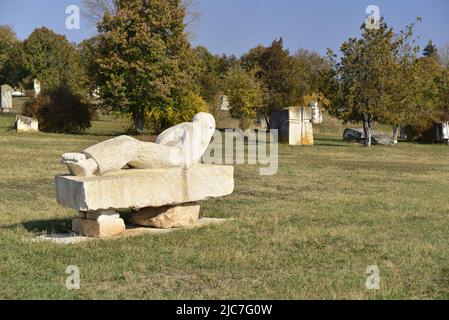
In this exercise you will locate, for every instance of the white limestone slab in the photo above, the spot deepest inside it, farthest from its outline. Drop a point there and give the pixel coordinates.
(140, 188)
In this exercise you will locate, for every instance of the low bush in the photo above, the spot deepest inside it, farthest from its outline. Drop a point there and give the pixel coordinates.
(60, 111)
(187, 107)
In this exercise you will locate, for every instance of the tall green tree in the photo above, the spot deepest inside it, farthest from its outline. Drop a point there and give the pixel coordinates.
(381, 78)
(245, 95)
(417, 89)
(209, 79)
(51, 59)
(252, 60)
(275, 69)
(307, 69)
(12, 70)
(9, 48)
(87, 50)
(364, 83)
(145, 65)
(430, 50)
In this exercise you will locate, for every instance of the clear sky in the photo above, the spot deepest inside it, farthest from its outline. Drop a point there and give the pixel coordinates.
(235, 26)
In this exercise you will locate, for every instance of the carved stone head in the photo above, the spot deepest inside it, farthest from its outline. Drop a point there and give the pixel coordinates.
(207, 124)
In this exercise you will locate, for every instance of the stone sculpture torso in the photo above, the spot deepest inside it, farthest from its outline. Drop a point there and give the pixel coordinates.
(179, 146)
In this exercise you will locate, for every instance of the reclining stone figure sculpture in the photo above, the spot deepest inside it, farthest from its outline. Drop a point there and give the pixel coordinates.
(179, 146)
(163, 183)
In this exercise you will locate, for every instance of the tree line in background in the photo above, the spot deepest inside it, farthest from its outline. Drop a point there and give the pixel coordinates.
(142, 66)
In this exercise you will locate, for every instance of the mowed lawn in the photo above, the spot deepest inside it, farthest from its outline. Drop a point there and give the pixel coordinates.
(308, 232)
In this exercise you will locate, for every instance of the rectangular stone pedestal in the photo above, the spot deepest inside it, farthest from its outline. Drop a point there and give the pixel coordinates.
(294, 125)
(137, 188)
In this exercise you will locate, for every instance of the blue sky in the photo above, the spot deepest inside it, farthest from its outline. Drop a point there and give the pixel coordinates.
(235, 26)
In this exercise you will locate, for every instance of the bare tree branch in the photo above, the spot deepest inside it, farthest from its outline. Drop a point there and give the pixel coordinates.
(94, 11)
(192, 12)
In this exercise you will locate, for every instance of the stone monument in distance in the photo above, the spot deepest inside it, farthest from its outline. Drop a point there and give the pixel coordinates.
(295, 124)
(6, 98)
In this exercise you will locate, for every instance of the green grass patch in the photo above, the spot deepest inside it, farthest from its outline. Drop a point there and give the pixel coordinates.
(308, 232)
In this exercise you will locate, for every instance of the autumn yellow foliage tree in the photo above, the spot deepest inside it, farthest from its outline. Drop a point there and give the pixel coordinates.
(245, 95)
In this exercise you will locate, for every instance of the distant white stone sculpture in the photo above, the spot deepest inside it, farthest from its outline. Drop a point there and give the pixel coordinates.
(224, 103)
(26, 124)
(96, 93)
(18, 93)
(179, 146)
(317, 115)
(37, 87)
(6, 98)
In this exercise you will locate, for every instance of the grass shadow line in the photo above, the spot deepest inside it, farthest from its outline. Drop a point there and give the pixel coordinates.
(41, 226)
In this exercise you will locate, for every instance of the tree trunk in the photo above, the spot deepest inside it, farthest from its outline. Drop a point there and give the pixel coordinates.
(267, 121)
(139, 122)
(367, 129)
(267, 118)
(394, 136)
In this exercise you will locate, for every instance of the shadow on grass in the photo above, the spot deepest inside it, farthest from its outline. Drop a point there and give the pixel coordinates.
(101, 134)
(48, 226)
(55, 225)
(331, 142)
(146, 136)
(335, 145)
(43, 226)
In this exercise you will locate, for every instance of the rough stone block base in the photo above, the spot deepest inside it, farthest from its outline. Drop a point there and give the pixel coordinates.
(167, 217)
(99, 228)
(99, 215)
